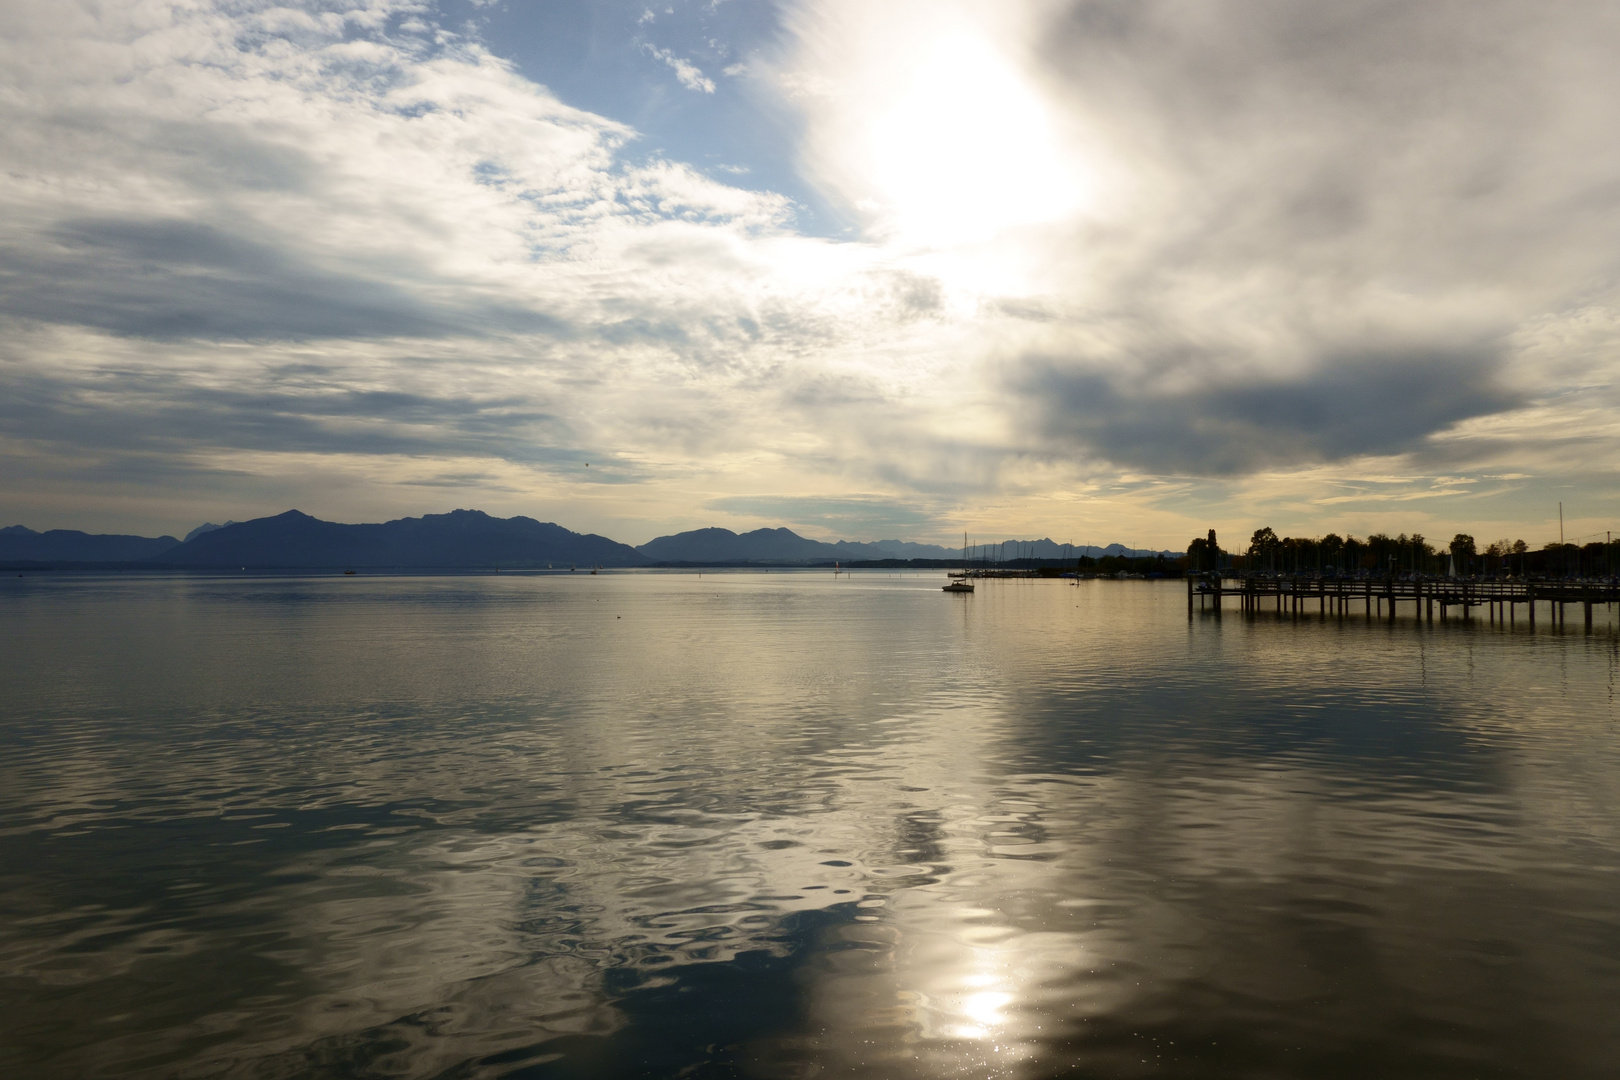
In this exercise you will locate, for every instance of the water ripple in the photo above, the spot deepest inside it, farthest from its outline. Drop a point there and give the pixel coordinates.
(785, 825)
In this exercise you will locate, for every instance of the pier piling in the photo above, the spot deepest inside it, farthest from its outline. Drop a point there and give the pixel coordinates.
(1501, 598)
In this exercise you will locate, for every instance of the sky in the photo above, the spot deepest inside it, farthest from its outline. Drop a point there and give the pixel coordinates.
(1099, 270)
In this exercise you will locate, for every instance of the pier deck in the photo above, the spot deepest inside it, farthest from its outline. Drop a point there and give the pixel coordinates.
(1381, 597)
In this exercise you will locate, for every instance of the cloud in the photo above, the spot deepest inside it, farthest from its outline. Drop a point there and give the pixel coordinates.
(688, 73)
(181, 279)
(1100, 246)
(1288, 234)
(1340, 219)
(1351, 405)
(327, 408)
(297, 168)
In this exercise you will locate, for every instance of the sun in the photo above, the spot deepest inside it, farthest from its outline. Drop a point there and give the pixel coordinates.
(964, 148)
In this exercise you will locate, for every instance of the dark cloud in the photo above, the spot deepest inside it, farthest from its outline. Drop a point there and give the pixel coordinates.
(216, 158)
(164, 411)
(173, 279)
(1350, 404)
(1324, 180)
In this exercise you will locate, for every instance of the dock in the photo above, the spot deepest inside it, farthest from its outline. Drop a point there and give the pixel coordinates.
(1382, 597)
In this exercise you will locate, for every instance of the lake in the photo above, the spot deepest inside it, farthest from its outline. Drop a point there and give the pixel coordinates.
(652, 824)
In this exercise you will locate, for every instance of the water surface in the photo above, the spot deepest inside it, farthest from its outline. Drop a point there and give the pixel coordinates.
(792, 825)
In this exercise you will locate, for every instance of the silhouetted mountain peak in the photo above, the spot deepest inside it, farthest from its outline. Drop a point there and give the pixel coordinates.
(459, 539)
(205, 527)
(767, 545)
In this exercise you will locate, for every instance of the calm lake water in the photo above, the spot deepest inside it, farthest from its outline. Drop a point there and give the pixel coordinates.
(787, 825)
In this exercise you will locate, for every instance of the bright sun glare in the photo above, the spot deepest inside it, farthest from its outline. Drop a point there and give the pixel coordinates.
(966, 148)
(981, 1007)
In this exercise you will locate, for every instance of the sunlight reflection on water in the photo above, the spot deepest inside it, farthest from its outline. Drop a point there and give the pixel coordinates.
(782, 824)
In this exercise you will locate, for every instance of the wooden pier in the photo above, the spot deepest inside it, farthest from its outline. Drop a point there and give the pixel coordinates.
(1382, 597)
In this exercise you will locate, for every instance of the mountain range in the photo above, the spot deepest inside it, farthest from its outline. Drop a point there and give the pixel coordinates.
(716, 546)
(18, 544)
(468, 539)
(461, 538)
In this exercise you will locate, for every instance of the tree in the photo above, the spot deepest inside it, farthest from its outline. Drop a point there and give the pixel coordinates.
(1590, 559)
(1422, 552)
(1263, 543)
(1382, 549)
(1462, 549)
(1559, 558)
(1332, 549)
(1354, 551)
(1202, 556)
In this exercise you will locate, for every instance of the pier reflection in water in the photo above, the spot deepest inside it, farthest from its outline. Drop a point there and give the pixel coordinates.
(790, 825)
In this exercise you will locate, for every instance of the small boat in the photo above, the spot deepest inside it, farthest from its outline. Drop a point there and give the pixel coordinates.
(963, 584)
(349, 572)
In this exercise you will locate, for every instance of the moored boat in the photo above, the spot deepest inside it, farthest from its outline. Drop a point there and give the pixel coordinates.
(962, 584)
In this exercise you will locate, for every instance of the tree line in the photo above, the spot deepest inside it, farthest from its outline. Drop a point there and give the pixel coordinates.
(1381, 553)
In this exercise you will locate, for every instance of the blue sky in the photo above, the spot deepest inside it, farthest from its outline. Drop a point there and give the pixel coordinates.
(1093, 269)
(626, 60)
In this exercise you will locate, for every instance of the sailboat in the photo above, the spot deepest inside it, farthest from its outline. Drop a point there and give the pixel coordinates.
(962, 584)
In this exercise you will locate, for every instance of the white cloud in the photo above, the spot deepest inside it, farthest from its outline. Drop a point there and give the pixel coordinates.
(1229, 238)
(688, 73)
(445, 258)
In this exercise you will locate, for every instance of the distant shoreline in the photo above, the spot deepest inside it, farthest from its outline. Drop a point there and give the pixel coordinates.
(337, 568)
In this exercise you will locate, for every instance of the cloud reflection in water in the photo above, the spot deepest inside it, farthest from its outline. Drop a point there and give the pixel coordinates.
(777, 825)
